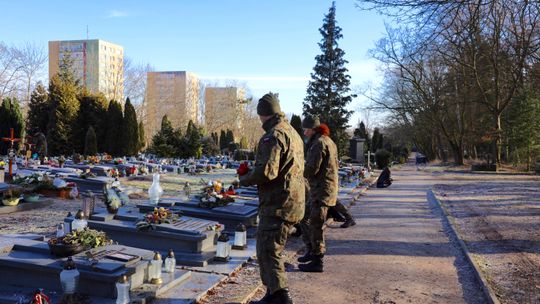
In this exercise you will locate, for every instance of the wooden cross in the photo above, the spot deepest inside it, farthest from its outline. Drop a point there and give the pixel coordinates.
(11, 140)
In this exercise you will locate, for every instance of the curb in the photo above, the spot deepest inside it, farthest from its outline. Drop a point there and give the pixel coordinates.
(488, 292)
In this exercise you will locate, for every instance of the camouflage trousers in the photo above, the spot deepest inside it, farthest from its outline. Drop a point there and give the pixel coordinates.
(271, 238)
(312, 227)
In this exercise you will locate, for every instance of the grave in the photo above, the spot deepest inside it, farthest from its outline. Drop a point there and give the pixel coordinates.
(24, 205)
(27, 263)
(190, 238)
(230, 215)
(96, 184)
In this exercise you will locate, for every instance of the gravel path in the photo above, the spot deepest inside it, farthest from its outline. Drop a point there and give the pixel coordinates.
(398, 253)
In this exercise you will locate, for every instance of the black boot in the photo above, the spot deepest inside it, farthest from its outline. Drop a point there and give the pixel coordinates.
(281, 296)
(348, 223)
(306, 257)
(316, 264)
(264, 300)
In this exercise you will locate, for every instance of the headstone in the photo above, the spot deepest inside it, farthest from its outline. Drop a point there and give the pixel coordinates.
(190, 238)
(356, 149)
(94, 184)
(28, 263)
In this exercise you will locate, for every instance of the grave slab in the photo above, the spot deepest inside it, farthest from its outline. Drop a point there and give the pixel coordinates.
(28, 263)
(190, 238)
(23, 206)
(230, 216)
(94, 184)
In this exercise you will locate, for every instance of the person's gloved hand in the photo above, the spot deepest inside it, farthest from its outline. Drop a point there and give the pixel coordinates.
(243, 169)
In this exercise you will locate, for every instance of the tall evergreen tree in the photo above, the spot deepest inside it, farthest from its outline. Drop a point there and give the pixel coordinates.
(92, 113)
(10, 117)
(223, 140)
(64, 105)
(166, 142)
(296, 123)
(328, 90)
(130, 128)
(114, 125)
(38, 111)
(230, 137)
(90, 142)
(193, 140)
(362, 132)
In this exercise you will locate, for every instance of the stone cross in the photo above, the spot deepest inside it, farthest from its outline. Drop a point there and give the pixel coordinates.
(11, 153)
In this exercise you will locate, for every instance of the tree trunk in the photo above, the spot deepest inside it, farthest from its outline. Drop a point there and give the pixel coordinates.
(498, 139)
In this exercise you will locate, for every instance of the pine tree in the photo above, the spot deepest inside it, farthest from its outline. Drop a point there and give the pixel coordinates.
(130, 128)
(114, 125)
(296, 123)
(64, 105)
(328, 90)
(167, 142)
(38, 111)
(90, 142)
(377, 140)
(193, 140)
(10, 117)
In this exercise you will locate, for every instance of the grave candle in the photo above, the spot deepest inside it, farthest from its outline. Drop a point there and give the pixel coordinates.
(67, 224)
(223, 248)
(154, 270)
(122, 290)
(170, 262)
(60, 230)
(79, 223)
(240, 237)
(69, 277)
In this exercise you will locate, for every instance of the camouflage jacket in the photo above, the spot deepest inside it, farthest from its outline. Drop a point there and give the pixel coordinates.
(321, 169)
(278, 171)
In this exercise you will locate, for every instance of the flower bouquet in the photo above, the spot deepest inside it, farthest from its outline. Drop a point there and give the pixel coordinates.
(77, 241)
(156, 217)
(11, 197)
(214, 196)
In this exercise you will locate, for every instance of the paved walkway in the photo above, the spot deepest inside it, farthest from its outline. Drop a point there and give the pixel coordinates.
(398, 252)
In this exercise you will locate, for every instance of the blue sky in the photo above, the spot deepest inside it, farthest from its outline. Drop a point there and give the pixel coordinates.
(269, 45)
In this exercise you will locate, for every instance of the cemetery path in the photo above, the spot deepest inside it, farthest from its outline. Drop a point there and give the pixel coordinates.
(399, 252)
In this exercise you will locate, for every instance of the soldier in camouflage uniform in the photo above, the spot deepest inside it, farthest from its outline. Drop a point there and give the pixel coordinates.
(278, 173)
(321, 171)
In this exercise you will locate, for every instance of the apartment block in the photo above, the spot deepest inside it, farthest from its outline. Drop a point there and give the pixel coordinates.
(175, 94)
(224, 108)
(97, 64)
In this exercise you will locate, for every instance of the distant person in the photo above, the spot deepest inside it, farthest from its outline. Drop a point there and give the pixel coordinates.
(321, 171)
(420, 160)
(385, 178)
(277, 172)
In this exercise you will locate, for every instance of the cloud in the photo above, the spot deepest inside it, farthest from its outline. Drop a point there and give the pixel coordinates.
(117, 14)
(259, 78)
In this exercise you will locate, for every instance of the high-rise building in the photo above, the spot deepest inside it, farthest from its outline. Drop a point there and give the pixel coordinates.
(224, 108)
(97, 64)
(175, 94)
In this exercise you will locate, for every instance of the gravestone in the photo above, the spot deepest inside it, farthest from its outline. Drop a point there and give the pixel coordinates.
(28, 263)
(356, 149)
(190, 238)
(230, 216)
(96, 184)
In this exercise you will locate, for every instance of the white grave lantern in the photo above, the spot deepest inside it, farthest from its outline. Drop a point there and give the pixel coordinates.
(170, 262)
(154, 270)
(69, 277)
(122, 290)
(223, 248)
(79, 223)
(240, 237)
